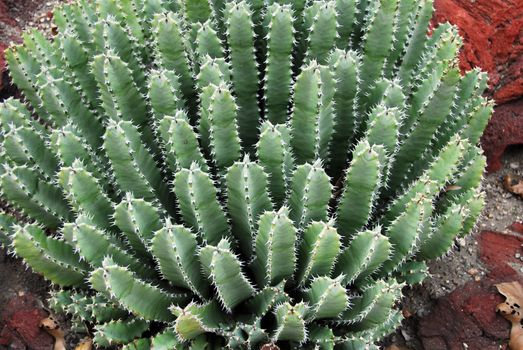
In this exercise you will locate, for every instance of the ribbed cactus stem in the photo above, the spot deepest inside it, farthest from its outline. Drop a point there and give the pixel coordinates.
(247, 199)
(278, 69)
(310, 191)
(240, 35)
(305, 113)
(239, 174)
(274, 246)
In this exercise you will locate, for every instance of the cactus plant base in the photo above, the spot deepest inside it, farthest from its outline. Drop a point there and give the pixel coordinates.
(198, 174)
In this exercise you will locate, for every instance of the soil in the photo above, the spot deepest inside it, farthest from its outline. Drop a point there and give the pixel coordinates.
(26, 14)
(16, 279)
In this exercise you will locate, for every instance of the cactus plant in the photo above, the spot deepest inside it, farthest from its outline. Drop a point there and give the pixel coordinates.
(206, 174)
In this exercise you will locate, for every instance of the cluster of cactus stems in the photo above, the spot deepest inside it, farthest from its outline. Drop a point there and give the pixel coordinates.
(208, 174)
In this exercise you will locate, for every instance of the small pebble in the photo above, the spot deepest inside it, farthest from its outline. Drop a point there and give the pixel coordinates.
(518, 255)
(405, 335)
(406, 313)
(514, 165)
(472, 271)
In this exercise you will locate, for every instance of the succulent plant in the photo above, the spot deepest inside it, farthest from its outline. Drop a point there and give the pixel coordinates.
(212, 174)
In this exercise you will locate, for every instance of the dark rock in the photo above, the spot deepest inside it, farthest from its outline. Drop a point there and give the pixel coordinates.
(504, 129)
(19, 325)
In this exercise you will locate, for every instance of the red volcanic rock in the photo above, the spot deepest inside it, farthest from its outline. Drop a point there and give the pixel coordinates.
(450, 324)
(498, 251)
(10, 338)
(467, 315)
(20, 325)
(516, 227)
(493, 36)
(504, 129)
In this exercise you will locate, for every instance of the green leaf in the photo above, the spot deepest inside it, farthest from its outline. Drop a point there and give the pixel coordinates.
(133, 165)
(377, 45)
(345, 65)
(264, 300)
(94, 245)
(403, 234)
(443, 232)
(86, 194)
(169, 41)
(223, 133)
(195, 320)
(181, 143)
(34, 196)
(322, 33)
(138, 220)
(416, 42)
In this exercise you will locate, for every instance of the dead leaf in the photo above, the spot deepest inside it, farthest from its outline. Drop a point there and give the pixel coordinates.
(85, 344)
(513, 184)
(452, 188)
(52, 327)
(512, 310)
(477, 278)
(406, 313)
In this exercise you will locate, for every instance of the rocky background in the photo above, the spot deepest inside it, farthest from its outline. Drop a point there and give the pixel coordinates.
(453, 310)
